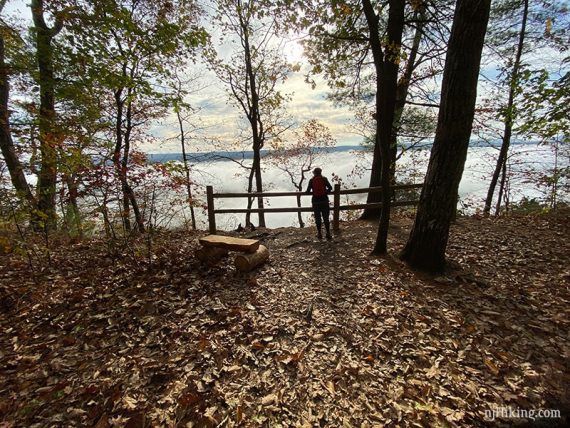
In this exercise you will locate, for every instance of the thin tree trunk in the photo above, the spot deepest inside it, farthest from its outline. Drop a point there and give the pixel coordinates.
(556, 178)
(109, 230)
(300, 214)
(509, 114)
(259, 185)
(501, 187)
(254, 117)
(48, 135)
(13, 163)
(186, 169)
(119, 104)
(375, 181)
(73, 189)
(427, 243)
(125, 168)
(403, 86)
(386, 64)
(121, 158)
(249, 200)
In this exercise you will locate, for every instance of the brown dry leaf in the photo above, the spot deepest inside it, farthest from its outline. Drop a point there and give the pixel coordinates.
(492, 366)
(178, 338)
(257, 345)
(239, 414)
(269, 399)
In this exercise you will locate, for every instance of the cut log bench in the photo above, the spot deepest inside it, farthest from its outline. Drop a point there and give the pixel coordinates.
(215, 247)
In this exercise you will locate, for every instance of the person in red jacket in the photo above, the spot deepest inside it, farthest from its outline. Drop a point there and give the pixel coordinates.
(319, 186)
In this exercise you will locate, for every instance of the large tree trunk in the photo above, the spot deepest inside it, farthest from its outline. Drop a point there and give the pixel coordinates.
(48, 135)
(509, 114)
(427, 243)
(13, 163)
(386, 64)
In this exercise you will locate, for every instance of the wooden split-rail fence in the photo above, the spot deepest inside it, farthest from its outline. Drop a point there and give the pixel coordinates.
(336, 208)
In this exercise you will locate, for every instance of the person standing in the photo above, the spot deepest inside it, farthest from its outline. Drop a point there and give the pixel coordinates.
(319, 186)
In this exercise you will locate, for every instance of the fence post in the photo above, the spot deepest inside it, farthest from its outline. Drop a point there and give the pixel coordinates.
(211, 214)
(336, 208)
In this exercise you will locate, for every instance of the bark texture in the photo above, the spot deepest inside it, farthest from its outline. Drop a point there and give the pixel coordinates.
(386, 64)
(48, 134)
(9, 153)
(427, 243)
(402, 90)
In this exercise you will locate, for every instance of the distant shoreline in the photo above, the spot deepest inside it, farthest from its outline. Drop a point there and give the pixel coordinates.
(218, 156)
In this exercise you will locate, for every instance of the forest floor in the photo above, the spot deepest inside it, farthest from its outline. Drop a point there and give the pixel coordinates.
(321, 335)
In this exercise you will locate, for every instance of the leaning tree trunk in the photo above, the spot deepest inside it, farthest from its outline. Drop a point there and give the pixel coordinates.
(501, 187)
(15, 168)
(48, 137)
(427, 243)
(509, 114)
(386, 64)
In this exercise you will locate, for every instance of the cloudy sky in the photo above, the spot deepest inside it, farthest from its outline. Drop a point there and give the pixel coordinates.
(218, 118)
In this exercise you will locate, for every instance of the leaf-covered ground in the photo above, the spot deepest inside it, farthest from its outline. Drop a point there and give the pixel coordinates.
(322, 335)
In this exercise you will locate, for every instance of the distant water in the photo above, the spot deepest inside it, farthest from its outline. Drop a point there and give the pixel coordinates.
(345, 163)
(220, 156)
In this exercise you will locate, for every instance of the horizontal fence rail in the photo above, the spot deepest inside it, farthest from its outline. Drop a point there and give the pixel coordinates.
(337, 207)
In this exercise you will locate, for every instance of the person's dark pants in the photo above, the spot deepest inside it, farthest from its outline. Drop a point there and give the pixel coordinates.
(321, 210)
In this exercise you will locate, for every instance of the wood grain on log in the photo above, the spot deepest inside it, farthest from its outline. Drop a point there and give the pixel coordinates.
(247, 262)
(230, 243)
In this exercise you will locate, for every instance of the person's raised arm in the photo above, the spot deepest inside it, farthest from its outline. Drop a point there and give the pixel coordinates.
(328, 185)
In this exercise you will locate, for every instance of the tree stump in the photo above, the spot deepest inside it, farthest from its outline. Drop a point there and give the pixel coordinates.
(246, 262)
(210, 255)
